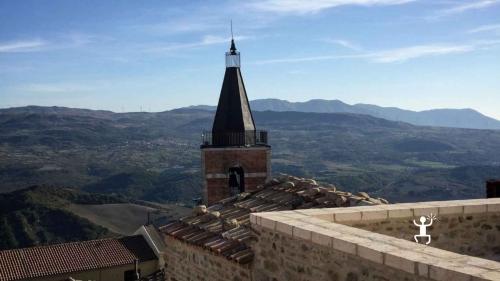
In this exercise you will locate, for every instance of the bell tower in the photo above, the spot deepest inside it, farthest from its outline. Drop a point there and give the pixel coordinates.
(235, 156)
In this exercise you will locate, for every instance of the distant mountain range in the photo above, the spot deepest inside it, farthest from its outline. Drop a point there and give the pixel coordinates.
(156, 156)
(455, 118)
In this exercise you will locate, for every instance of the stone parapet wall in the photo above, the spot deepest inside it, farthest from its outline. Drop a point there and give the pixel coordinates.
(469, 234)
(185, 262)
(328, 229)
(282, 257)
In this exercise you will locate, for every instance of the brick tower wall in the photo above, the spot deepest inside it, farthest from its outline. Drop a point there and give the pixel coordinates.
(216, 162)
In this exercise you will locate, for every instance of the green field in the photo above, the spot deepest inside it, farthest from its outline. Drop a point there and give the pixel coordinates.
(123, 219)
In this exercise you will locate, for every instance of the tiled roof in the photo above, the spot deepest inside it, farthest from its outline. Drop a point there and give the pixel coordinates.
(138, 247)
(21, 264)
(224, 228)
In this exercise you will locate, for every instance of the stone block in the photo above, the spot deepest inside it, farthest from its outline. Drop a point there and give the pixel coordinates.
(400, 213)
(374, 215)
(350, 231)
(321, 238)
(327, 216)
(366, 252)
(302, 232)
(433, 253)
(258, 220)
(398, 206)
(435, 203)
(253, 219)
(444, 274)
(483, 263)
(400, 260)
(347, 216)
(404, 244)
(423, 269)
(450, 210)
(382, 238)
(423, 210)
(314, 212)
(445, 271)
(368, 208)
(480, 201)
(344, 245)
(474, 209)
(268, 222)
(284, 213)
(284, 227)
(325, 225)
(493, 208)
(294, 215)
(382, 247)
(487, 276)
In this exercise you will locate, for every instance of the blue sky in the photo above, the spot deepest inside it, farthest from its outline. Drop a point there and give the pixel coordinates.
(158, 55)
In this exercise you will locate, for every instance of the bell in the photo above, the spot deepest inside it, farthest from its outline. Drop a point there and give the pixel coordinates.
(233, 180)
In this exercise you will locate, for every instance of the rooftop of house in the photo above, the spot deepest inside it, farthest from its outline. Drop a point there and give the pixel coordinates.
(224, 228)
(40, 261)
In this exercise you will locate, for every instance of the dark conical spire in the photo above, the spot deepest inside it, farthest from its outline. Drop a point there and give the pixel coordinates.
(233, 116)
(233, 47)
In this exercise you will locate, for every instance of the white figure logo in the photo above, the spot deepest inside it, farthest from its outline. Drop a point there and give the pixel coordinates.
(423, 228)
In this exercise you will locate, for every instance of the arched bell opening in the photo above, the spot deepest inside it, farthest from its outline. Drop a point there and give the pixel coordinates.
(236, 180)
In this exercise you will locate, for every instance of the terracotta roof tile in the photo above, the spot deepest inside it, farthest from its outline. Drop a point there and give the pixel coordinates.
(224, 228)
(19, 264)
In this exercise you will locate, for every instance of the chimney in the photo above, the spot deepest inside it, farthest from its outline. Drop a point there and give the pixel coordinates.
(493, 188)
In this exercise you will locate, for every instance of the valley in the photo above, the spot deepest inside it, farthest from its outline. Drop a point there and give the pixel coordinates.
(155, 156)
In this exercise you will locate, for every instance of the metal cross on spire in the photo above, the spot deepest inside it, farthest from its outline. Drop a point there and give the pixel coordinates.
(232, 30)
(233, 46)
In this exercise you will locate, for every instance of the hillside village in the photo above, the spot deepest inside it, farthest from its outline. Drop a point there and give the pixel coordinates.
(249, 225)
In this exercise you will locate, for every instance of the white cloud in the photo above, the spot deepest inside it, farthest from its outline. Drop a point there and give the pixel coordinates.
(305, 6)
(474, 5)
(464, 7)
(205, 41)
(64, 41)
(53, 88)
(413, 52)
(398, 55)
(22, 46)
(183, 25)
(303, 59)
(485, 28)
(345, 43)
(76, 39)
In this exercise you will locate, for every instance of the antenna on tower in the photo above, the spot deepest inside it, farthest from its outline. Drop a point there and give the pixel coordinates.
(232, 30)
(233, 47)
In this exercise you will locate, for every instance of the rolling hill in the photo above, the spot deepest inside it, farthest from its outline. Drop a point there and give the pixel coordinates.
(155, 156)
(38, 215)
(126, 218)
